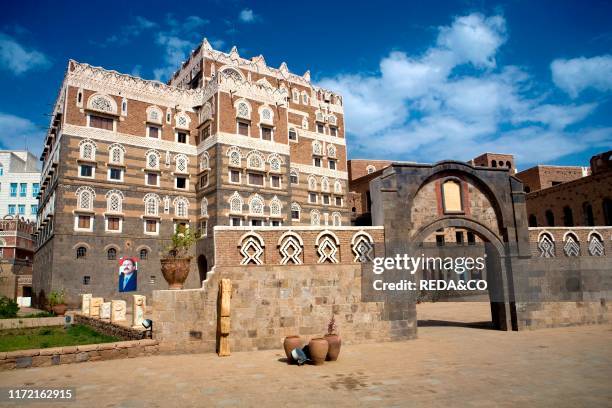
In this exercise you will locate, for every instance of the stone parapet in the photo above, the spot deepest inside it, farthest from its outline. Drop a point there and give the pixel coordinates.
(19, 323)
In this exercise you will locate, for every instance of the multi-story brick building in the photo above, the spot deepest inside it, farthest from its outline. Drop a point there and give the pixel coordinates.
(229, 141)
(19, 184)
(16, 253)
(544, 176)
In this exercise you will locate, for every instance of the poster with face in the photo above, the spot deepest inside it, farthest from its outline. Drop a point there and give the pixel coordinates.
(128, 274)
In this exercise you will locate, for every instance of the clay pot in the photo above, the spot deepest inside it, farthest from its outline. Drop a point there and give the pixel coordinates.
(334, 342)
(175, 271)
(318, 350)
(60, 309)
(290, 343)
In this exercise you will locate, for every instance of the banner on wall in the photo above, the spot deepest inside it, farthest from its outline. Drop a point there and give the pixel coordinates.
(128, 274)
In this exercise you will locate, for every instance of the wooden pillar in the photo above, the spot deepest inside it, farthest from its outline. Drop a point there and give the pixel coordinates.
(223, 317)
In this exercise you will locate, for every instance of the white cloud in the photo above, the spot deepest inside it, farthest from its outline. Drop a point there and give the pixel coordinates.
(454, 102)
(129, 32)
(247, 16)
(577, 74)
(18, 133)
(17, 59)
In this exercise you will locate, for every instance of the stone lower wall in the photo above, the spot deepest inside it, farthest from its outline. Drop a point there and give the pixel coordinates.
(108, 328)
(561, 314)
(19, 323)
(77, 354)
(271, 302)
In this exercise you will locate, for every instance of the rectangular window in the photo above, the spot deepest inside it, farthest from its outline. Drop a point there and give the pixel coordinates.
(151, 226)
(154, 132)
(459, 237)
(86, 171)
(471, 238)
(332, 164)
(181, 137)
(1, 171)
(205, 133)
(101, 122)
(204, 180)
(294, 179)
(256, 179)
(21, 209)
(317, 161)
(13, 189)
(312, 198)
(266, 133)
(84, 221)
(276, 223)
(86, 280)
(23, 189)
(256, 223)
(181, 182)
(275, 181)
(325, 199)
(152, 179)
(33, 209)
(243, 128)
(339, 201)
(333, 131)
(440, 240)
(35, 189)
(235, 221)
(234, 176)
(115, 174)
(292, 134)
(295, 215)
(320, 128)
(11, 209)
(203, 228)
(113, 223)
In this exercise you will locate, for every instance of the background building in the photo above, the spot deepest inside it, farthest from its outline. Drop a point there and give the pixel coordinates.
(16, 253)
(230, 141)
(19, 184)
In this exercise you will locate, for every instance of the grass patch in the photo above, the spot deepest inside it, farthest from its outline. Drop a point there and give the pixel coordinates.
(54, 336)
(35, 315)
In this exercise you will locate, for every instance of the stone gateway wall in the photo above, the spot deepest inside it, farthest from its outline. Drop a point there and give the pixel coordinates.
(271, 302)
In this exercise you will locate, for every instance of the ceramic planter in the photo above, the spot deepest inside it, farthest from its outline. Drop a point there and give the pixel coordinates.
(334, 342)
(175, 271)
(318, 350)
(60, 309)
(290, 343)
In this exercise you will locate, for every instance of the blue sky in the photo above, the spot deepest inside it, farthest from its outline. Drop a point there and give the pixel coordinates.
(421, 82)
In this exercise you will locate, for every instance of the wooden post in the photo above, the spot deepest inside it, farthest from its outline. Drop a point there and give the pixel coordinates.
(223, 317)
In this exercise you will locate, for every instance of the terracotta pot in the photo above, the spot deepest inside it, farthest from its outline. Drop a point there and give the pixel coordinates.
(59, 310)
(175, 271)
(334, 342)
(290, 343)
(318, 350)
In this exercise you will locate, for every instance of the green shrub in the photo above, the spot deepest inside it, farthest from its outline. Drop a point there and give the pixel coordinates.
(8, 308)
(56, 298)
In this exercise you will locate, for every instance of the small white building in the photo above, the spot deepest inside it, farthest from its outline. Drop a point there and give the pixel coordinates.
(19, 184)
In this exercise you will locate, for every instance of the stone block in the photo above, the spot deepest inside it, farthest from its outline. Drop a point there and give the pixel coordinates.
(87, 347)
(42, 361)
(81, 357)
(105, 310)
(50, 351)
(67, 358)
(23, 362)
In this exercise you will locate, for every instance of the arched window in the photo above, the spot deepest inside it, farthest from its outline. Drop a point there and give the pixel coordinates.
(81, 252)
(275, 207)
(568, 217)
(275, 162)
(243, 109)
(256, 205)
(102, 103)
(571, 247)
(451, 196)
(331, 150)
(370, 169)
(317, 148)
(154, 115)
(587, 213)
(181, 162)
(116, 153)
(236, 203)
(295, 211)
(181, 207)
(294, 176)
(312, 183)
(151, 202)
(266, 115)
(338, 187)
(336, 219)
(546, 245)
(550, 218)
(87, 149)
(204, 161)
(204, 207)
(182, 120)
(324, 184)
(206, 112)
(114, 201)
(232, 73)
(143, 254)
(533, 222)
(235, 156)
(493, 163)
(85, 197)
(255, 160)
(315, 217)
(153, 158)
(305, 123)
(304, 98)
(596, 246)
(111, 254)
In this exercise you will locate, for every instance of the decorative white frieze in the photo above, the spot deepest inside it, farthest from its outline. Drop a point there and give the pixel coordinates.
(327, 244)
(596, 247)
(251, 248)
(571, 246)
(290, 247)
(320, 171)
(546, 246)
(362, 245)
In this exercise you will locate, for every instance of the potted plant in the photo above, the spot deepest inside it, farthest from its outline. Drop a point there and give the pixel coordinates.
(56, 302)
(333, 339)
(175, 261)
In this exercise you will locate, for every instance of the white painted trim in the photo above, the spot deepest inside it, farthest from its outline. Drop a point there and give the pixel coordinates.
(91, 223)
(144, 226)
(120, 230)
(320, 137)
(320, 171)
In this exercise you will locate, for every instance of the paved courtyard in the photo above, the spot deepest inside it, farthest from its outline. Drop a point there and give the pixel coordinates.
(446, 366)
